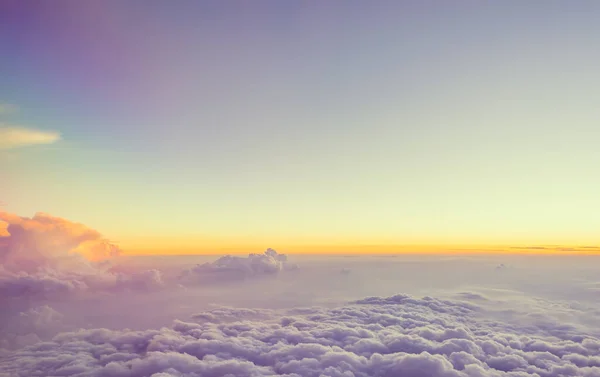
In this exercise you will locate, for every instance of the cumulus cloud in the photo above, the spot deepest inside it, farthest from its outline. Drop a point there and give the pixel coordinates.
(394, 336)
(47, 241)
(233, 267)
(16, 137)
(47, 256)
(143, 280)
(29, 327)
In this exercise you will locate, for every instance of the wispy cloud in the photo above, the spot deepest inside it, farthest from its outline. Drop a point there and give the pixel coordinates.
(7, 108)
(16, 137)
(558, 248)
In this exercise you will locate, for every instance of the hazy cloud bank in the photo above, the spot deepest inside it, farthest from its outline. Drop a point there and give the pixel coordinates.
(18, 136)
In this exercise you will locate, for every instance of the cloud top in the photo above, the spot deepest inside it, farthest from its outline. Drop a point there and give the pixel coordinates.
(48, 255)
(377, 336)
(44, 239)
(268, 263)
(16, 137)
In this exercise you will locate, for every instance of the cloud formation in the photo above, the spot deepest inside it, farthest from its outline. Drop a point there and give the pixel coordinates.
(233, 267)
(29, 326)
(46, 256)
(487, 328)
(48, 241)
(16, 137)
(394, 336)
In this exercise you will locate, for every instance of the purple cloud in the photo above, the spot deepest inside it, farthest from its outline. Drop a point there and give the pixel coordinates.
(231, 267)
(47, 256)
(395, 336)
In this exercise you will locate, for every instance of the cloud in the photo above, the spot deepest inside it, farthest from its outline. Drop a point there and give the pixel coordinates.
(29, 326)
(48, 241)
(47, 256)
(559, 249)
(232, 267)
(394, 336)
(16, 137)
(141, 281)
(480, 324)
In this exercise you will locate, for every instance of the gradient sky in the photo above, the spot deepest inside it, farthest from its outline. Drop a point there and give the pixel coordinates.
(219, 123)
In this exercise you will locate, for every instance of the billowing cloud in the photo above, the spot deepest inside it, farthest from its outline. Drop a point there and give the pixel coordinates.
(234, 267)
(27, 327)
(47, 256)
(145, 280)
(48, 241)
(16, 137)
(395, 336)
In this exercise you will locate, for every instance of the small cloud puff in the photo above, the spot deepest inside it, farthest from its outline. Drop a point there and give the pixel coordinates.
(395, 336)
(502, 267)
(16, 137)
(232, 267)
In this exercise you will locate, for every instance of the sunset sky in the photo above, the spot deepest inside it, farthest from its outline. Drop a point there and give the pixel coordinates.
(330, 125)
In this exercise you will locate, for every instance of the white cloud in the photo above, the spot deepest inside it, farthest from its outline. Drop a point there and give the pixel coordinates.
(394, 336)
(16, 137)
(232, 267)
(47, 256)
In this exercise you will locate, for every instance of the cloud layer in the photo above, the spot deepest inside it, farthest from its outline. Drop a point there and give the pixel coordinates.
(67, 297)
(395, 336)
(16, 137)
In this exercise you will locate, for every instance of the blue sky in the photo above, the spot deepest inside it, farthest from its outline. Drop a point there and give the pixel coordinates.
(340, 122)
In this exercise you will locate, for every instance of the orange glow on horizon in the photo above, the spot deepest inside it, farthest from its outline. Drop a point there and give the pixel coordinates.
(332, 249)
(221, 244)
(197, 245)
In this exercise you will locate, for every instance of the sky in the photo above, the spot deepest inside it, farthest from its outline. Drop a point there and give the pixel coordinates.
(215, 125)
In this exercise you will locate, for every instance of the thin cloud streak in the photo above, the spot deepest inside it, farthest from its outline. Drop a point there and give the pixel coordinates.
(16, 137)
